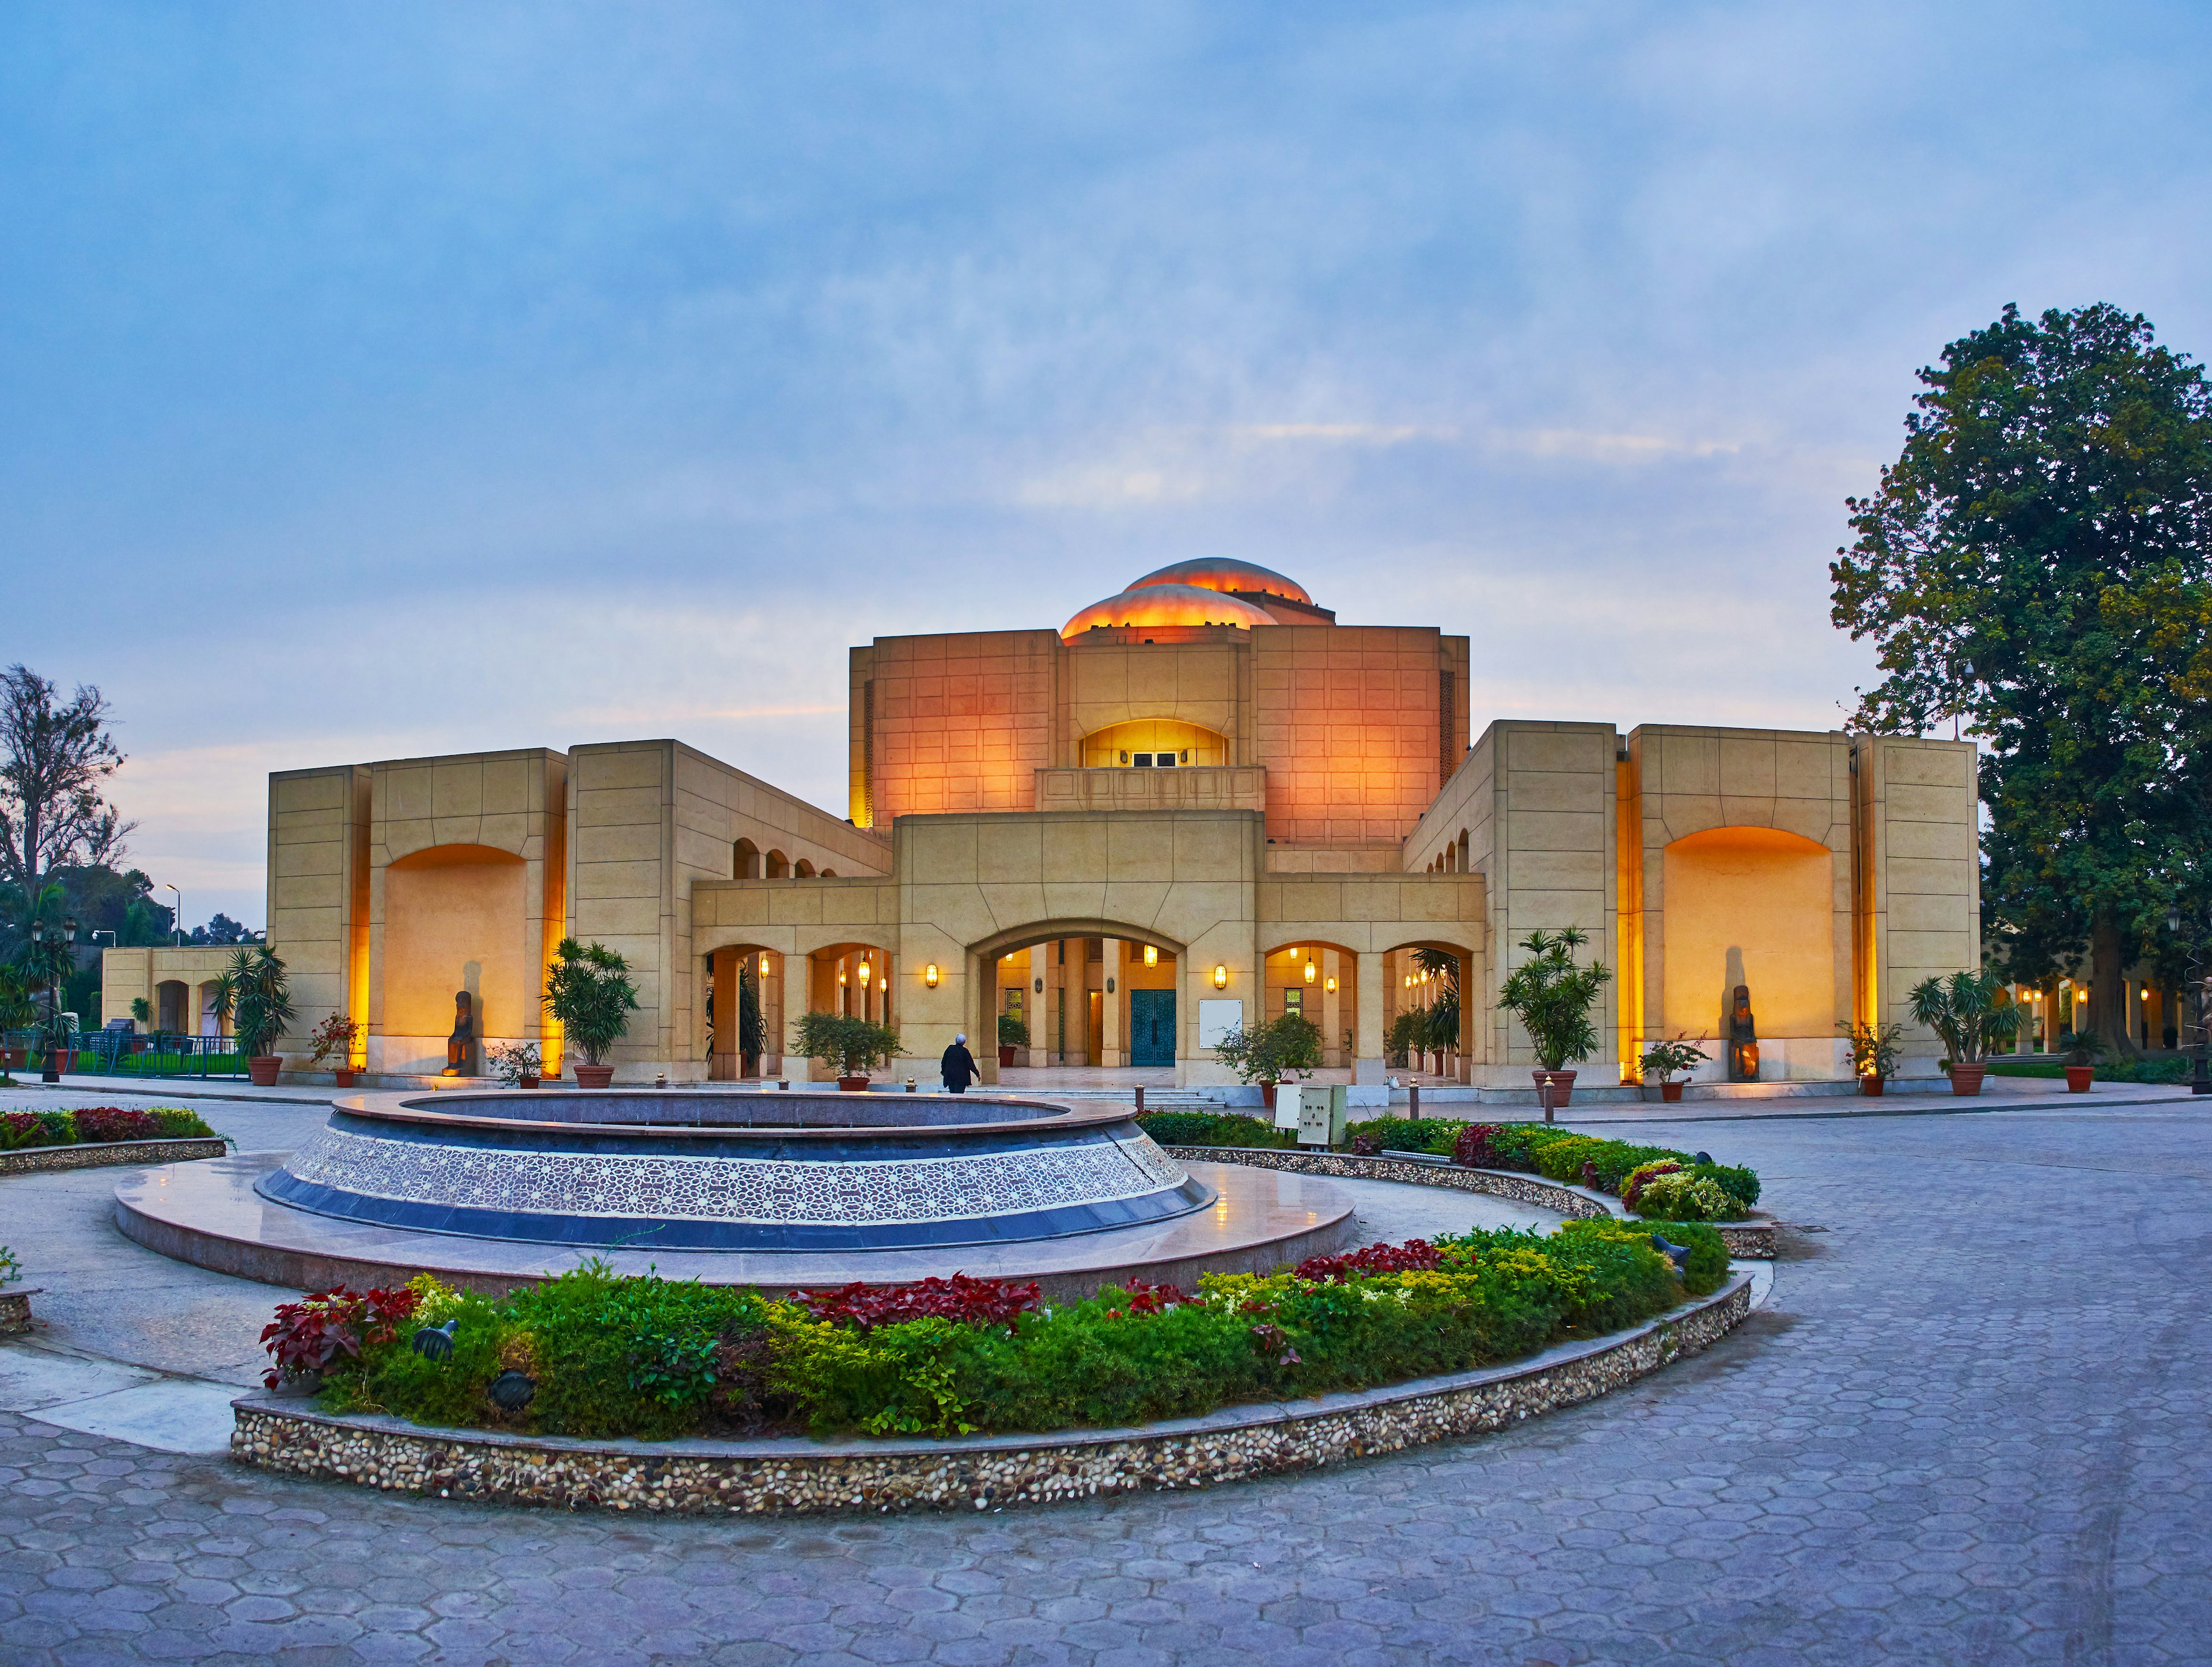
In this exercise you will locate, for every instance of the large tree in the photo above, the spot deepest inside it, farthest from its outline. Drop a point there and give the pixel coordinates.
(56, 756)
(2034, 567)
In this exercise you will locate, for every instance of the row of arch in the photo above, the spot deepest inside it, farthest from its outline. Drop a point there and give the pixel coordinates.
(749, 861)
(1452, 859)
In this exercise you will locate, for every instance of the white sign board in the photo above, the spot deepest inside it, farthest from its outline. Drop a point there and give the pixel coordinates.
(1216, 1019)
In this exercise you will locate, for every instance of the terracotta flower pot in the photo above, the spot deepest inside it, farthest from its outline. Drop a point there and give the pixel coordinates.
(1267, 1095)
(852, 1085)
(1671, 1091)
(1966, 1080)
(594, 1076)
(344, 1078)
(1005, 1057)
(525, 1082)
(262, 1069)
(2079, 1077)
(1563, 1085)
(1871, 1086)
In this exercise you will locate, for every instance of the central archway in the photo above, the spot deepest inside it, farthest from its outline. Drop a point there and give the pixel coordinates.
(1082, 994)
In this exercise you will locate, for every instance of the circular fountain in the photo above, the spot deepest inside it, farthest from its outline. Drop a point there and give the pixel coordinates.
(774, 1189)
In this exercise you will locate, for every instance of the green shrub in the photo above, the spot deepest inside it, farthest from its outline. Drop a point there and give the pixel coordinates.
(1214, 1128)
(1407, 1134)
(1559, 1154)
(180, 1124)
(1706, 1266)
(1684, 1196)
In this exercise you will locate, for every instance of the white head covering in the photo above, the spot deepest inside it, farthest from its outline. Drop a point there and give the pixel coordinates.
(961, 1038)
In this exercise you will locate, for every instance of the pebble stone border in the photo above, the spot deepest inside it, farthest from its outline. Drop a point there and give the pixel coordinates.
(16, 1311)
(1753, 1239)
(95, 1155)
(793, 1476)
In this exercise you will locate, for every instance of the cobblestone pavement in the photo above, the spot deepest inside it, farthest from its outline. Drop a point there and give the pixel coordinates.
(1968, 1427)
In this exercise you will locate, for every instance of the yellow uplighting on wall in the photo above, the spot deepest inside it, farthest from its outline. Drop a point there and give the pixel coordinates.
(1151, 956)
(929, 975)
(1220, 977)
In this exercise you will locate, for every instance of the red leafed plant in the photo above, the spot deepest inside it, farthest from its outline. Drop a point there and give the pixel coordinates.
(308, 1336)
(111, 1123)
(1472, 1149)
(971, 1301)
(1634, 1189)
(1145, 1298)
(1414, 1256)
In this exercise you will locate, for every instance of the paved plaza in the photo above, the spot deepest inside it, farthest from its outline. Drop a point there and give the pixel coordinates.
(1967, 1427)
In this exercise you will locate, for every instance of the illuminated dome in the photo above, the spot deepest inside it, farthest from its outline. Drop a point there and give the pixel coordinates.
(1167, 604)
(1215, 573)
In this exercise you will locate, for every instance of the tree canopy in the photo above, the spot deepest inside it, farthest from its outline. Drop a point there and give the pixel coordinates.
(56, 756)
(2034, 566)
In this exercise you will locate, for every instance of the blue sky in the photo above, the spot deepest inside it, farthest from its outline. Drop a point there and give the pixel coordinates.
(385, 381)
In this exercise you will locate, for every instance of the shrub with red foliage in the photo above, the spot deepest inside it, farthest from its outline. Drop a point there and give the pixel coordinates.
(309, 1335)
(1145, 1298)
(1472, 1149)
(1414, 1256)
(1634, 1189)
(112, 1123)
(971, 1301)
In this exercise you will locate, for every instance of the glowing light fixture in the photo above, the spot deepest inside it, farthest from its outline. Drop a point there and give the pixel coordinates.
(764, 964)
(864, 972)
(1330, 986)
(1151, 956)
(1220, 977)
(929, 975)
(1310, 973)
(840, 975)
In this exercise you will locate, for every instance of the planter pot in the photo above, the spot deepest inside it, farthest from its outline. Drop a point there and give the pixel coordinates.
(1563, 1085)
(594, 1076)
(1671, 1091)
(1006, 1058)
(851, 1085)
(1966, 1080)
(1871, 1086)
(1267, 1095)
(2079, 1077)
(262, 1069)
(344, 1078)
(525, 1082)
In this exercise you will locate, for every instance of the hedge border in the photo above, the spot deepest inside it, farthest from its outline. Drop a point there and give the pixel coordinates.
(1752, 1239)
(97, 1154)
(797, 1476)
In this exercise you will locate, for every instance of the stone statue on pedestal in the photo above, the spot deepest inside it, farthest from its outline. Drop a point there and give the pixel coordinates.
(464, 1030)
(1743, 1039)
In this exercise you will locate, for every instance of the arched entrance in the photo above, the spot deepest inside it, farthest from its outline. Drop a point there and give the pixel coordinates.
(1430, 999)
(455, 918)
(1319, 981)
(1096, 996)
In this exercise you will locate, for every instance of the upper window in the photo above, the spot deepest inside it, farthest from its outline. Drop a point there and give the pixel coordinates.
(1153, 744)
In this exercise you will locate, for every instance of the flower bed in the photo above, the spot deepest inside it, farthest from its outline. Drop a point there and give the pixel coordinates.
(595, 1356)
(1655, 1182)
(99, 1125)
(1210, 1128)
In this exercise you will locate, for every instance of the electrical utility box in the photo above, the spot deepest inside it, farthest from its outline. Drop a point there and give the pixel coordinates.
(1321, 1114)
(1289, 1098)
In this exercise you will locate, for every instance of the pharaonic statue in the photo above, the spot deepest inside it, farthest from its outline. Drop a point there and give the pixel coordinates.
(1743, 1039)
(464, 1030)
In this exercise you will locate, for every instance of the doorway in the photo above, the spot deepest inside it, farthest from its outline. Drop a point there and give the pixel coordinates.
(1152, 1027)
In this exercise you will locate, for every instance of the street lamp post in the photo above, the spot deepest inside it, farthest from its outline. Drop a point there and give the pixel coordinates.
(179, 922)
(2200, 1078)
(53, 939)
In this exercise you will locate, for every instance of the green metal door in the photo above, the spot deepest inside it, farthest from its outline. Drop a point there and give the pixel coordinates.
(1152, 1027)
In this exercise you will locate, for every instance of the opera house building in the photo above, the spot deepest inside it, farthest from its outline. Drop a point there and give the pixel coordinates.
(1198, 804)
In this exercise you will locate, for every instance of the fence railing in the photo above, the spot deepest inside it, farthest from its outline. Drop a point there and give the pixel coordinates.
(121, 1053)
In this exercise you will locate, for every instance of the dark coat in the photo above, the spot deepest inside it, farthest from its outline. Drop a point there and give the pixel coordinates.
(959, 1065)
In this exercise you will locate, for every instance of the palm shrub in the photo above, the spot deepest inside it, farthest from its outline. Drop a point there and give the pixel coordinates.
(2080, 1047)
(1970, 1011)
(1553, 996)
(844, 1040)
(255, 994)
(752, 1028)
(589, 991)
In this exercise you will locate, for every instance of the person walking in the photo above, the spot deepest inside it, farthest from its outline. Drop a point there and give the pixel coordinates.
(959, 1065)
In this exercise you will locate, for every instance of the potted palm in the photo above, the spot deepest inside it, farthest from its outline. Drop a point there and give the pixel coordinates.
(335, 1036)
(2082, 1048)
(1663, 1059)
(254, 994)
(1013, 1035)
(1552, 997)
(1970, 1011)
(845, 1041)
(589, 991)
(18, 1012)
(1875, 1054)
(1289, 1046)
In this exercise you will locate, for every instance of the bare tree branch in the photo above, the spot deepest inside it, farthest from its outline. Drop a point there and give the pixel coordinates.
(55, 757)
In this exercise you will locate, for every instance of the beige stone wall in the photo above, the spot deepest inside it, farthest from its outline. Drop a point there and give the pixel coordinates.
(128, 973)
(467, 812)
(1920, 873)
(1689, 782)
(1197, 788)
(317, 880)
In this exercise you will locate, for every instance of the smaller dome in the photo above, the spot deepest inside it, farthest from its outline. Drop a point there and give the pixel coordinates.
(1222, 574)
(1167, 604)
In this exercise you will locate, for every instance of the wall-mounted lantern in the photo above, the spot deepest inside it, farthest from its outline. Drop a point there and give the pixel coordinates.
(1151, 956)
(1040, 987)
(929, 975)
(1220, 977)
(764, 964)
(1331, 985)
(1109, 987)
